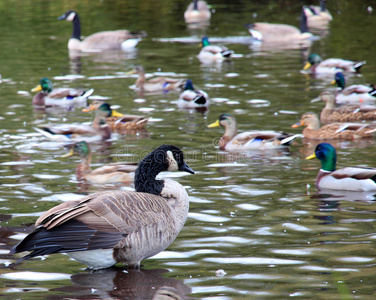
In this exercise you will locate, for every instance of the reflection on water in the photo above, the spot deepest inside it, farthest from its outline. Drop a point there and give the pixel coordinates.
(256, 215)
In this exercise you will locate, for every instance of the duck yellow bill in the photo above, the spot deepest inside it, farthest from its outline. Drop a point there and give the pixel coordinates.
(90, 108)
(307, 66)
(130, 72)
(70, 153)
(333, 82)
(215, 124)
(114, 113)
(297, 124)
(37, 88)
(311, 156)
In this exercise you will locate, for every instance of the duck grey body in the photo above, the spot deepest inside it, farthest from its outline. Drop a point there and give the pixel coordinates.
(118, 226)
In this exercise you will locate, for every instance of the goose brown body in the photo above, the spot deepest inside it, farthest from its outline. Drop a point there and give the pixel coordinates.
(117, 226)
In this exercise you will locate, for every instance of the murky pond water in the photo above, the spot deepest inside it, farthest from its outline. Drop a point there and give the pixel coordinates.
(257, 215)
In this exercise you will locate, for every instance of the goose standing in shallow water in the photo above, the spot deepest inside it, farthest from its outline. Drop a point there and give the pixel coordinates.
(110, 173)
(108, 227)
(48, 96)
(348, 179)
(249, 140)
(104, 40)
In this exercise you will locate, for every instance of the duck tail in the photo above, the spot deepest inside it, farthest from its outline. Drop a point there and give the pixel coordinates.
(87, 93)
(358, 65)
(227, 53)
(288, 140)
(200, 99)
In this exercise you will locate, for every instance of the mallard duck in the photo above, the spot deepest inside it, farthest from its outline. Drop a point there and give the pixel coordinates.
(197, 11)
(348, 179)
(356, 93)
(104, 40)
(249, 140)
(280, 33)
(315, 65)
(99, 131)
(110, 173)
(48, 96)
(117, 121)
(191, 98)
(352, 113)
(108, 227)
(343, 131)
(317, 15)
(211, 52)
(157, 84)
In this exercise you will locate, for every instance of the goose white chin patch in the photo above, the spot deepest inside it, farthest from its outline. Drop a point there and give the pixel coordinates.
(71, 17)
(172, 163)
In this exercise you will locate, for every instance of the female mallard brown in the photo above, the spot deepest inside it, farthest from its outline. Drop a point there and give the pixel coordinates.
(118, 122)
(48, 96)
(343, 131)
(352, 113)
(104, 40)
(110, 173)
(249, 140)
(108, 227)
(157, 84)
(347, 179)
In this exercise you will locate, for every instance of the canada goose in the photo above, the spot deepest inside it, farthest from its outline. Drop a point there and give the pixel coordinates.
(48, 96)
(249, 140)
(211, 52)
(118, 122)
(280, 33)
(108, 227)
(110, 173)
(156, 84)
(98, 132)
(317, 15)
(348, 179)
(315, 65)
(343, 131)
(352, 113)
(104, 40)
(197, 11)
(191, 98)
(356, 93)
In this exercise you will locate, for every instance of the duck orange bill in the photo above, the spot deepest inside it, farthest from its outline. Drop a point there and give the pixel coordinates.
(311, 156)
(87, 109)
(215, 124)
(307, 66)
(70, 153)
(37, 88)
(300, 123)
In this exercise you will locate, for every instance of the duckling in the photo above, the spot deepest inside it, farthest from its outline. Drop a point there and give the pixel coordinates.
(157, 84)
(48, 96)
(211, 52)
(356, 93)
(104, 40)
(98, 132)
(343, 131)
(315, 65)
(191, 98)
(108, 227)
(317, 15)
(352, 113)
(280, 33)
(197, 11)
(110, 173)
(118, 122)
(249, 140)
(348, 179)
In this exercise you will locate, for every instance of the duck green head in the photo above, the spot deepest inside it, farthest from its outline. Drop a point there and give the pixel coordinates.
(313, 59)
(340, 80)
(189, 85)
(205, 42)
(104, 110)
(326, 153)
(80, 148)
(45, 85)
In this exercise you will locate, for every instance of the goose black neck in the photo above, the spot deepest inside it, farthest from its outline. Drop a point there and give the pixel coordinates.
(76, 34)
(145, 174)
(322, 5)
(195, 4)
(303, 23)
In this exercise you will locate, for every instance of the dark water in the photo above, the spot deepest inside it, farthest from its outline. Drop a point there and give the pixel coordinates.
(257, 216)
